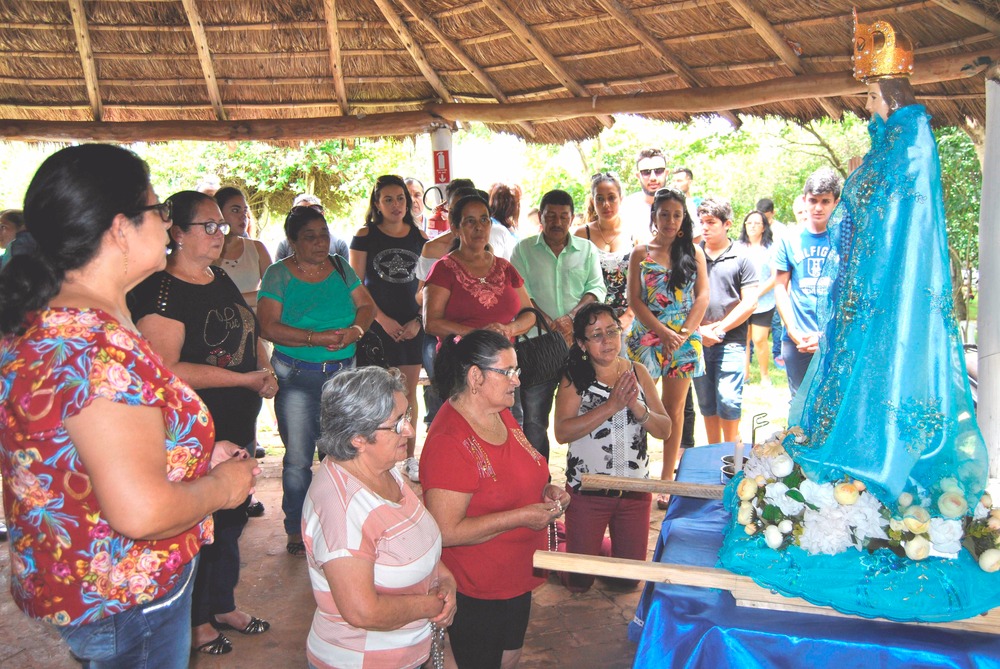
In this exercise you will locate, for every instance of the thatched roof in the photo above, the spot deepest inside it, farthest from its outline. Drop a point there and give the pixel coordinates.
(551, 71)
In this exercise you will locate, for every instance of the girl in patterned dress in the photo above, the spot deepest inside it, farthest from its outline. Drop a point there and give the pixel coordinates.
(668, 292)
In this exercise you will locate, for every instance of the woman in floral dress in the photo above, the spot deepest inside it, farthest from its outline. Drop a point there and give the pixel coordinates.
(668, 292)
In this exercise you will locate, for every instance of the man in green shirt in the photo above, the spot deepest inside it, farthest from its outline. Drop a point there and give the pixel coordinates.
(562, 273)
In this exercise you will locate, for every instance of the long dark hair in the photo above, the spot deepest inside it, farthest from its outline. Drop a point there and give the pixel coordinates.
(682, 263)
(71, 202)
(505, 204)
(374, 217)
(766, 236)
(579, 370)
(479, 348)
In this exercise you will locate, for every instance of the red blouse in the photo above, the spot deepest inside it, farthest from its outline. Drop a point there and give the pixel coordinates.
(474, 301)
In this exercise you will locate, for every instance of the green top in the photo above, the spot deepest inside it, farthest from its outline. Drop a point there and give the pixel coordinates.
(326, 305)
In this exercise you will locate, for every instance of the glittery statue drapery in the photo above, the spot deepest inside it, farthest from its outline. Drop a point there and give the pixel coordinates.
(887, 399)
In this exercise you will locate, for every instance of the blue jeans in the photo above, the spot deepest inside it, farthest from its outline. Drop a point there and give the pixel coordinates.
(536, 403)
(777, 334)
(720, 390)
(296, 407)
(432, 401)
(796, 364)
(154, 635)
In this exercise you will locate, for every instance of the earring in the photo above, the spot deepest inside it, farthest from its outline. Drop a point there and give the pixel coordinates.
(584, 356)
(180, 245)
(126, 262)
(474, 391)
(680, 234)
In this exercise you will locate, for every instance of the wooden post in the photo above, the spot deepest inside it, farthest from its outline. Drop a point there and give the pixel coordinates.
(989, 278)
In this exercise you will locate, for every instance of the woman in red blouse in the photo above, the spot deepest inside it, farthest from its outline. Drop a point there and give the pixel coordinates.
(110, 463)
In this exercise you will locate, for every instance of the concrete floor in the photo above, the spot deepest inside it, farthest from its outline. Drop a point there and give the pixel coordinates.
(566, 630)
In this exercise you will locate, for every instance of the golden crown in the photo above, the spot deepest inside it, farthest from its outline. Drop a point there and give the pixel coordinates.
(880, 52)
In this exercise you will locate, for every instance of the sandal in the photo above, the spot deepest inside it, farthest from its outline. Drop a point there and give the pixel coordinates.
(255, 626)
(220, 645)
(296, 548)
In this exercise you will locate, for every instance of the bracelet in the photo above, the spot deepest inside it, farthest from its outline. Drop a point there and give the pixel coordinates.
(269, 371)
(361, 330)
(309, 337)
(645, 418)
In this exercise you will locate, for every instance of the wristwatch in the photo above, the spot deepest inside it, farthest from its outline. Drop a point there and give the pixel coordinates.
(685, 332)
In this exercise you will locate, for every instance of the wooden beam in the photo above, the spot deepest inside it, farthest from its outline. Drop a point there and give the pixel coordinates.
(530, 41)
(699, 490)
(403, 34)
(623, 16)
(971, 13)
(336, 67)
(79, 15)
(743, 588)
(204, 57)
(431, 26)
(777, 42)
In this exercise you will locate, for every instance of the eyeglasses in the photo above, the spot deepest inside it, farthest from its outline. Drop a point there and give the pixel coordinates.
(658, 171)
(400, 424)
(164, 209)
(598, 337)
(211, 227)
(509, 373)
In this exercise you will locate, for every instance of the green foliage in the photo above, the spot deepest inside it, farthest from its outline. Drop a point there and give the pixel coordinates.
(961, 180)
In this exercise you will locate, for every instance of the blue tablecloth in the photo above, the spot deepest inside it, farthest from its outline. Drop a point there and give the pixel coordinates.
(681, 626)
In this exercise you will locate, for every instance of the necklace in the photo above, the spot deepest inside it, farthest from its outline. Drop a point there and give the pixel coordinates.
(198, 279)
(309, 273)
(610, 245)
(616, 373)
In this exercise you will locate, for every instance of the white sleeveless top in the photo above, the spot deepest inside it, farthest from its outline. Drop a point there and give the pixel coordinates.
(245, 271)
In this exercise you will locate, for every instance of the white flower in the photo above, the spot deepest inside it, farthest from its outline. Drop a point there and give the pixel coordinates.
(986, 500)
(917, 548)
(896, 524)
(786, 526)
(825, 532)
(946, 535)
(818, 494)
(775, 494)
(846, 494)
(905, 500)
(756, 466)
(989, 561)
(952, 504)
(773, 537)
(949, 483)
(981, 511)
(866, 518)
(917, 519)
(782, 466)
(747, 489)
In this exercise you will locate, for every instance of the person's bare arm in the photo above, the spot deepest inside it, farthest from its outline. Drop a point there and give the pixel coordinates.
(127, 468)
(784, 304)
(742, 310)
(449, 508)
(263, 257)
(435, 300)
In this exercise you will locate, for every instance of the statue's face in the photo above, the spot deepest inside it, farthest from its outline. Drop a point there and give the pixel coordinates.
(876, 103)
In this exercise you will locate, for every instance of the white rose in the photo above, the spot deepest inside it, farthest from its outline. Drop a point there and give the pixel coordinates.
(905, 500)
(952, 504)
(917, 548)
(747, 489)
(773, 537)
(989, 561)
(986, 500)
(917, 519)
(786, 526)
(896, 525)
(745, 514)
(946, 535)
(782, 466)
(846, 494)
(949, 483)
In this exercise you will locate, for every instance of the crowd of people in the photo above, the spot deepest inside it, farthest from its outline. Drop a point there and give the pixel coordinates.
(165, 320)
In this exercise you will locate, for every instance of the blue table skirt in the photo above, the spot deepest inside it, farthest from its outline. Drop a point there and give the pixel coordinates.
(682, 626)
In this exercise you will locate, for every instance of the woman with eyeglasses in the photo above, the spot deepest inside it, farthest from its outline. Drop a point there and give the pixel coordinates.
(384, 255)
(605, 408)
(198, 322)
(374, 550)
(312, 306)
(756, 238)
(110, 462)
(668, 292)
(613, 240)
(488, 490)
(245, 260)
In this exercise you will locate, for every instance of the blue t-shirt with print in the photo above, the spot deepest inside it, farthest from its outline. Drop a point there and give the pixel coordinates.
(803, 253)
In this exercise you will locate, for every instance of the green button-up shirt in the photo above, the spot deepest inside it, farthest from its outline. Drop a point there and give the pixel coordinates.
(558, 283)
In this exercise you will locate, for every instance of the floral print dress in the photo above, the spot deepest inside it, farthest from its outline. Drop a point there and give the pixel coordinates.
(670, 308)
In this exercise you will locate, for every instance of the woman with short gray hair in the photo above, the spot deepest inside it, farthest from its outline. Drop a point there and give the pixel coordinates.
(374, 551)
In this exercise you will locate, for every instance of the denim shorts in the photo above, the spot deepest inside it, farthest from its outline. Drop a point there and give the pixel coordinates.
(154, 635)
(720, 390)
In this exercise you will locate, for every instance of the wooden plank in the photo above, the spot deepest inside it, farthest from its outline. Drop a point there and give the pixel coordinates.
(204, 57)
(79, 15)
(744, 589)
(333, 42)
(971, 13)
(680, 488)
(403, 34)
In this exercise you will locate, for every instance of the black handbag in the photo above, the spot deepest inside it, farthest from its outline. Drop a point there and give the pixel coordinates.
(541, 358)
(369, 350)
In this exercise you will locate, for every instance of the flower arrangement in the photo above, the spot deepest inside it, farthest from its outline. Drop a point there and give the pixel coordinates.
(779, 502)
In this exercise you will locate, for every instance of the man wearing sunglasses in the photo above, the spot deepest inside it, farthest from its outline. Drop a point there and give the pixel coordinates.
(651, 172)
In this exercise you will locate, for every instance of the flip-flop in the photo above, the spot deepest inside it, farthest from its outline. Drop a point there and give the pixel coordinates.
(295, 548)
(255, 626)
(220, 645)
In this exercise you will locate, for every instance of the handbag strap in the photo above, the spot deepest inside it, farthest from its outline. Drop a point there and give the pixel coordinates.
(540, 323)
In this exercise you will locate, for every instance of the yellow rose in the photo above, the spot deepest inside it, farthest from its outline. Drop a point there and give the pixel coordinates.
(750, 529)
(952, 504)
(917, 519)
(846, 494)
(747, 489)
(989, 561)
(917, 548)
(745, 514)
(905, 500)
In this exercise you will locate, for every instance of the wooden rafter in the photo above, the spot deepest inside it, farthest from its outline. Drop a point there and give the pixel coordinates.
(204, 57)
(623, 16)
(773, 39)
(532, 43)
(403, 34)
(431, 26)
(336, 66)
(86, 57)
(972, 13)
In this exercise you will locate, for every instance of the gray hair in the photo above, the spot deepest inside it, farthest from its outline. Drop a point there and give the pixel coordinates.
(354, 403)
(822, 181)
(717, 207)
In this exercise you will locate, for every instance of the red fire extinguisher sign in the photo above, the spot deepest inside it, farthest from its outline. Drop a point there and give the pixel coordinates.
(442, 169)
